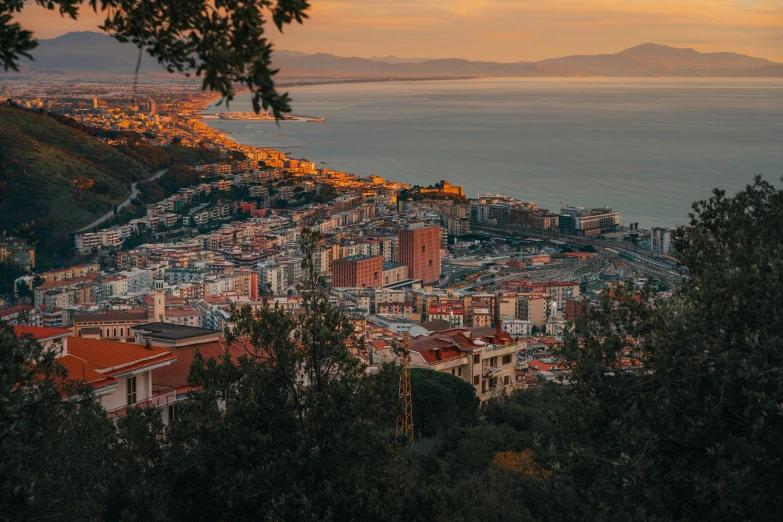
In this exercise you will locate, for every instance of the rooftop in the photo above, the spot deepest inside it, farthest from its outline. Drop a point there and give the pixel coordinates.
(130, 315)
(41, 333)
(109, 357)
(173, 332)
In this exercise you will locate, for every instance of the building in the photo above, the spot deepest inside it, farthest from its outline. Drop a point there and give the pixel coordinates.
(18, 252)
(394, 273)
(174, 335)
(533, 307)
(107, 325)
(394, 308)
(483, 357)
(419, 250)
(661, 240)
(358, 271)
(584, 222)
(120, 374)
(89, 241)
(517, 327)
(451, 311)
(575, 308)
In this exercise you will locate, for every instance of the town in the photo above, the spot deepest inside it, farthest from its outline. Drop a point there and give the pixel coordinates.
(484, 287)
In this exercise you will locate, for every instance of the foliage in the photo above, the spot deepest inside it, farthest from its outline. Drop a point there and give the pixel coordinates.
(695, 434)
(287, 426)
(441, 401)
(223, 42)
(43, 437)
(520, 462)
(325, 192)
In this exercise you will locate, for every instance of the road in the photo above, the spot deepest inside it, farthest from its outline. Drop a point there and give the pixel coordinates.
(133, 194)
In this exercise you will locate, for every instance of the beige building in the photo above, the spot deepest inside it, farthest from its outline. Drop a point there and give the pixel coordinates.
(533, 307)
(484, 357)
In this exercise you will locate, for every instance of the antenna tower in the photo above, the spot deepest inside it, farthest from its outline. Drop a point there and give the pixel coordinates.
(405, 420)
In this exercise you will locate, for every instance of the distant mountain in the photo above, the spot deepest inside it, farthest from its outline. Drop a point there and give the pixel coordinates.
(643, 60)
(89, 52)
(394, 59)
(654, 59)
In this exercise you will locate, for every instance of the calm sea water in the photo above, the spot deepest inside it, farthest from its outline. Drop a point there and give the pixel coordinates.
(646, 147)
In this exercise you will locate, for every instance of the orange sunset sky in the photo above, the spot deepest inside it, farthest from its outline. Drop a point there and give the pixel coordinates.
(507, 30)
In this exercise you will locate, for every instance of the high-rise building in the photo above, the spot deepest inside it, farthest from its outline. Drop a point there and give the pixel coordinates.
(661, 240)
(533, 307)
(419, 250)
(358, 271)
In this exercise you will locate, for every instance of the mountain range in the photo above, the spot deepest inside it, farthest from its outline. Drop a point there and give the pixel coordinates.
(97, 53)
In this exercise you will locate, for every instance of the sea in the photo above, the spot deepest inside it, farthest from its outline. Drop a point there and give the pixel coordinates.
(646, 147)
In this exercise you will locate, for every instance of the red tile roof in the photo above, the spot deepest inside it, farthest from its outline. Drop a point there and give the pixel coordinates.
(81, 370)
(41, 333)
(542, 366)
(111, 357)
(176, 375)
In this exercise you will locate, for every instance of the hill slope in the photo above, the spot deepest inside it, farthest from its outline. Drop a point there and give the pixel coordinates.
(58, 176)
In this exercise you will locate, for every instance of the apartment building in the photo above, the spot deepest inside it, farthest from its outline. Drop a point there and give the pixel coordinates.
(419, 250)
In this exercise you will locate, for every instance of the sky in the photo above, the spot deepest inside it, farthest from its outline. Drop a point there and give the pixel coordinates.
(506, 30)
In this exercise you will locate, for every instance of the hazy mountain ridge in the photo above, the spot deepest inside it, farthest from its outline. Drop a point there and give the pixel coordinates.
(96, 53)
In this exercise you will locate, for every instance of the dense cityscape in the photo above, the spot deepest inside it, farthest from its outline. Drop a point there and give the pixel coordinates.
(204, 320)
(426, 261)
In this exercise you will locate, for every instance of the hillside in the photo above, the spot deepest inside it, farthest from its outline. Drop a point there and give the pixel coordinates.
(58, 176)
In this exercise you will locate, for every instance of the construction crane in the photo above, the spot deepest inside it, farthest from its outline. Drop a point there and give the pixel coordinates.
(405, 420)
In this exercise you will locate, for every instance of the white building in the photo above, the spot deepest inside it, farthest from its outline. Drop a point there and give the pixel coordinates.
(517, 327)
(661, 240)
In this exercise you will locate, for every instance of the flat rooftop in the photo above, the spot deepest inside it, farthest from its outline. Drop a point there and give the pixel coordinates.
(174, 332)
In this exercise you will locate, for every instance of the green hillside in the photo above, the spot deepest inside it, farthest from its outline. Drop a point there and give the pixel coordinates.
(58, 176)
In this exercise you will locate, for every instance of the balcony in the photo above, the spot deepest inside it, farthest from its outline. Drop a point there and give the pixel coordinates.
(162, 396)
(451, 362)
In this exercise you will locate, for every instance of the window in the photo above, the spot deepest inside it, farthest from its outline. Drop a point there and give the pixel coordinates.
(506, 359)
(130, 386)
(476, 380)
(423, 248)
(459, 371)
(430, 262)
(452, 371)
(506, 380)
(476, 359)
(172, 412)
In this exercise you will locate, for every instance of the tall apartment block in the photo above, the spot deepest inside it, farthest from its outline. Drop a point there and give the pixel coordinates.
(661, 240)
(419, 250)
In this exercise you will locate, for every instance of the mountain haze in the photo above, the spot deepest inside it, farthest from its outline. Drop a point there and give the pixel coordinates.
(97, 53)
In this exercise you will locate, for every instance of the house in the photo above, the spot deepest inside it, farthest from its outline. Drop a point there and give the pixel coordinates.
(483, 357)
(120, 374)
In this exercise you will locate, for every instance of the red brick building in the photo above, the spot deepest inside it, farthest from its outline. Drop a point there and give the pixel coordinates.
(419, 250)
(358, 271)
(574, 308)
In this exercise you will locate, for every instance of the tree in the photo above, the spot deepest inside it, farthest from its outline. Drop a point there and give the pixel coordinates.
(224, 42)
(440, 401)
(44, 437)
(693, 435)
(285, 426)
